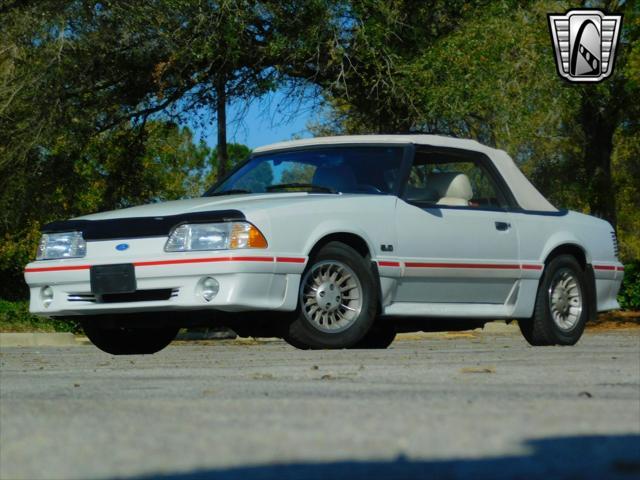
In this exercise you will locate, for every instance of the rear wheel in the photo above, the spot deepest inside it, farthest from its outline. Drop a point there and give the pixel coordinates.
(337, 300)
(128, 340)
(561, 309)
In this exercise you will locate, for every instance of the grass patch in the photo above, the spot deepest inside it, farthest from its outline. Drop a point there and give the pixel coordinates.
(15, 317)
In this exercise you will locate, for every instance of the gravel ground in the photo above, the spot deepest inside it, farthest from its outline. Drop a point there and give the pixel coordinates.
(453, 406)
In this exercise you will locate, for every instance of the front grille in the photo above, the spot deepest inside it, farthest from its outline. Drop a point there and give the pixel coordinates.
(615, 243)
(81, 297)
(137, 296)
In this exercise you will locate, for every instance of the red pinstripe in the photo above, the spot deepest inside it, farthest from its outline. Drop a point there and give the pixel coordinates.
(388, 264)
(58, 269)
(290, 260)
(203, 260)
(176, 262)
(532, 267)
(605, 267)
(497, 266)
(382, 263)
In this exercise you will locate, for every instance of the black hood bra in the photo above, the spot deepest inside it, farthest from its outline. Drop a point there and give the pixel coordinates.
(138, 227)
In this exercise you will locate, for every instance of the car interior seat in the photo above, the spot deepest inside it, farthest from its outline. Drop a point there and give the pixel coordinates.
(453, 188)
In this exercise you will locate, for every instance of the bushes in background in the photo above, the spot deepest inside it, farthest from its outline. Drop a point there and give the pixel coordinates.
(15, 317)
(629, 296)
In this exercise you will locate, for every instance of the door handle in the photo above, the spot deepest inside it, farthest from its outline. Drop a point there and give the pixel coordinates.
(503, 226)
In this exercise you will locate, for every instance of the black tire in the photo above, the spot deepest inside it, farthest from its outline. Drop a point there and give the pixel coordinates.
(294, 342)
(301, 331)
(541, 329)
(380, 336)
(128, 340)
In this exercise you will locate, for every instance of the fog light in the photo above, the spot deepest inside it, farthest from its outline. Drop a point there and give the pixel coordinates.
(209, 288)
(47, 296)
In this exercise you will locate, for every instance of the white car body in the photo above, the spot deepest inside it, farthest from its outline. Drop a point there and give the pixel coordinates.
(445, 261)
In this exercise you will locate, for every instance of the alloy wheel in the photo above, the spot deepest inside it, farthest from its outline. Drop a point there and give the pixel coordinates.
(331, 296)
(565, 299)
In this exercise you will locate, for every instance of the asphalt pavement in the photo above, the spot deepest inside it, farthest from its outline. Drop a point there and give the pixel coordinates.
(448, 406)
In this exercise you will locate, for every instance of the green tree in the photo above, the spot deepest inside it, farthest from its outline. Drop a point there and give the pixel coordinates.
(365, 76)
(73, 68)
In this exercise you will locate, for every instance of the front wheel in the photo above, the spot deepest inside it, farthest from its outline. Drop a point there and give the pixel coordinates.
(128, 340)
(379, 337)
(561, 309)
(337, 300)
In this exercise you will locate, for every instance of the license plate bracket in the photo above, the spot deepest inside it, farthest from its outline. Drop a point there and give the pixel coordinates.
(119, 278)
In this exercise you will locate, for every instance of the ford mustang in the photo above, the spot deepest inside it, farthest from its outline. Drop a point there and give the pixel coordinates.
(334, 242)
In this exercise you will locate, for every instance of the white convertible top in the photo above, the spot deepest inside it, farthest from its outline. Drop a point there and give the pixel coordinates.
(527, 196)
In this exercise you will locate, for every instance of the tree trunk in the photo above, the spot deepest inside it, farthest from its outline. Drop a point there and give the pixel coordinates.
(599, 127)
(221, 114)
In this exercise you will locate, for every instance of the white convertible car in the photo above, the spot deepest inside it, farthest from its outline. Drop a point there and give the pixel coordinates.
(335, 243)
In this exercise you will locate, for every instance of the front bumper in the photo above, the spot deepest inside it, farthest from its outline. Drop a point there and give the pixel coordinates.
(248, 281)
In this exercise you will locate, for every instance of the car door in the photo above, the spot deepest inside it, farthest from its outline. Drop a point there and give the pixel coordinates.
(455, 235)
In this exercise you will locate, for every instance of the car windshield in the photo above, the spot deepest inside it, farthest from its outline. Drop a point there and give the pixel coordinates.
(373, 170)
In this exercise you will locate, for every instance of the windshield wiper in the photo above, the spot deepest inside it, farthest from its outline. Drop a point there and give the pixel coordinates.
(230, 192)
(308, 186)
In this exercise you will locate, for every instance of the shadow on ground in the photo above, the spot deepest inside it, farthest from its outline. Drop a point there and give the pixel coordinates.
(589, 457)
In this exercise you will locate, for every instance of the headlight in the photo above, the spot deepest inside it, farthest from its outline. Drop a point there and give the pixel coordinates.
(214, 236)
(61, 245)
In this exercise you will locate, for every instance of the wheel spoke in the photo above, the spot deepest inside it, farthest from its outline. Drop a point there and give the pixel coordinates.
(565, 299)
(331, 298)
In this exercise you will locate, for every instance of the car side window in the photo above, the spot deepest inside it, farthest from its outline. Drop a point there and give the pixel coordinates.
(449, 179)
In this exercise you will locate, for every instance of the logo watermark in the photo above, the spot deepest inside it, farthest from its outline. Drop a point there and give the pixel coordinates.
(585, 44)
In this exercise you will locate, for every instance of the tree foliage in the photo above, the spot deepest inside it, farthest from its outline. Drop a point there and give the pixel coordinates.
(73, 68)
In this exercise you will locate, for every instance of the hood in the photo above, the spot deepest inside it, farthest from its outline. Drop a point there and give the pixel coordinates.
(159, 219)
(203, 204)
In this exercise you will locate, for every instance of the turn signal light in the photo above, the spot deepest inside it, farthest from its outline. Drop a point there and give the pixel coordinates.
(245, 235)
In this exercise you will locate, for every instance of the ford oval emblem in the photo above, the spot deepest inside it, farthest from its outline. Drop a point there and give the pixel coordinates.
(122, 247)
